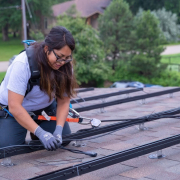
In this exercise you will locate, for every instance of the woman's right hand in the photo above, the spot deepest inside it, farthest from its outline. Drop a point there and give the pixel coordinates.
(47, 139)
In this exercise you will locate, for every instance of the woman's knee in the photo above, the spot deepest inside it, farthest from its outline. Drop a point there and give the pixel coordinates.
(11, 132)
(51, 125)
(66, 129)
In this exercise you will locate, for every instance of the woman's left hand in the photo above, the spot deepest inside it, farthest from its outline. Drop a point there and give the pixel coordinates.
(58, 134)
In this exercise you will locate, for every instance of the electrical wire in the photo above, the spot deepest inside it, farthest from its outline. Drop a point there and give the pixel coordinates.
(10, 7)
(58, 162)
(34, 146)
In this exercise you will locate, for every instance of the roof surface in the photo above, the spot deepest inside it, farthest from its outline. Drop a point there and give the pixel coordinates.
(140, 168)
(85, 7)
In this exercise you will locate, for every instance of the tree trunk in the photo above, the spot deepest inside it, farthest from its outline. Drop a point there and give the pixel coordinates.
(14, 34)
(113, 64)
(113, 61)
(5, 33)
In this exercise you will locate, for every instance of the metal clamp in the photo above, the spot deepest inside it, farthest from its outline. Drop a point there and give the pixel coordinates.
(141, 127)
(127, 95)
(78, 144)
(7, 162)
(171, 95)
(143, 101)
(102, 110)
(159, 155)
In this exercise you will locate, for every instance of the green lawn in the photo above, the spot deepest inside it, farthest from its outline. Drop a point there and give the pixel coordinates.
(172, 44)
(2, 74)
(173, 58)
(10, 48)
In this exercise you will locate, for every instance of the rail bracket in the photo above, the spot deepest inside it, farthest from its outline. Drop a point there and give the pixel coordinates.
(141, 127)
(171, 95)
(7, 162)
(143, 101)
(127, 95)
(158, 155)
(78, 144)
(102, 110)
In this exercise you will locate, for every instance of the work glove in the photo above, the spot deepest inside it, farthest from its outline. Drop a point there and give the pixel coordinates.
(58, 134)
(47, 139)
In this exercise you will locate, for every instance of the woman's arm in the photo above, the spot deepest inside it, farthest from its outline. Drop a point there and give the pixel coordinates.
(23, 118)
(62, 110)
(20, 114)
(61, 115)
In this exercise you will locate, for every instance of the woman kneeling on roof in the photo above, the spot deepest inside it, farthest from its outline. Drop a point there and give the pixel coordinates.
(54, 62)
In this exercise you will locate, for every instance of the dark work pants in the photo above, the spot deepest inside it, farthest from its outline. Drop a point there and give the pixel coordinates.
(12, 133)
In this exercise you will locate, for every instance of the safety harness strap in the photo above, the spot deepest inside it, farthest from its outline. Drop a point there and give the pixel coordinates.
(33, 65)
(2, 112)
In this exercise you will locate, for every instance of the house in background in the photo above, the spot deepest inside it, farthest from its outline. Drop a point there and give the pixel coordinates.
(88, 9)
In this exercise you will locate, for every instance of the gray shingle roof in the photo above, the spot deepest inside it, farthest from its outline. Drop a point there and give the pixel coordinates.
(168, 168)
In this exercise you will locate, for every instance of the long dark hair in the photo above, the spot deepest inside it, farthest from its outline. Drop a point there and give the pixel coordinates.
(60, 81)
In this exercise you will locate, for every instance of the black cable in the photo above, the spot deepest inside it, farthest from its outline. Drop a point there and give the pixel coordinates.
(89, 153)
(37, 145)
(151, 117)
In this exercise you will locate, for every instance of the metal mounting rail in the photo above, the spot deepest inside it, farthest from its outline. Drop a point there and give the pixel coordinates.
(109, 160)
(12, 151)
(84, 90)
(121, 125)
(105, 95)
(120, 101)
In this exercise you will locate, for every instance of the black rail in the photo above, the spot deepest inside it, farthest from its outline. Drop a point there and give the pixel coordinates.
(12, 151)
(105, 95)
(120, 101)
(109, 160)
(84, 90)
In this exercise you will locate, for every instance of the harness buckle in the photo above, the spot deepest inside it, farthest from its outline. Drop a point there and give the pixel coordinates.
(3, 113)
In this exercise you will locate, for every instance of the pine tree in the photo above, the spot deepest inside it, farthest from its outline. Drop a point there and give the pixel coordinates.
(148, 46)
(115, 27)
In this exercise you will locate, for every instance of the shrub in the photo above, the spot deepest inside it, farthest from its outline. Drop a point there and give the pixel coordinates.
(165, 78)
(36, 35)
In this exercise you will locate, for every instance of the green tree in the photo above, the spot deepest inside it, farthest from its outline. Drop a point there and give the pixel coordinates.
(173, 6)
(115, 27)
(169, 5)
(90, 66)
(145, 4)
(39, 10)
(59, 1)
(168, 24)
(148, 49)
(10, 16)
